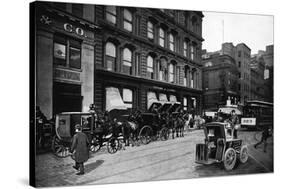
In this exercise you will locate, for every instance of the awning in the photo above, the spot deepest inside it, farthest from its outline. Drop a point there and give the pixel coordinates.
(228, 110)
(173, 99)
(151, 98)
(114, 100)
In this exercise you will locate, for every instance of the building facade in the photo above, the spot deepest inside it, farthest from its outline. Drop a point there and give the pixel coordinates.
(143, 54)
(220, 80)
(64, 56)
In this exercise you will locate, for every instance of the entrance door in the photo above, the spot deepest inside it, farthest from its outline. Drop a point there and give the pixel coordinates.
(66, 98)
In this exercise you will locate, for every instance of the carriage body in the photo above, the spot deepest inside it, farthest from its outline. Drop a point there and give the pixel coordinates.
(221, 147)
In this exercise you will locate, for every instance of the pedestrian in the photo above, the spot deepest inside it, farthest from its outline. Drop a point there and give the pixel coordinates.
(80, 149)
(265, 135)
(234, 123)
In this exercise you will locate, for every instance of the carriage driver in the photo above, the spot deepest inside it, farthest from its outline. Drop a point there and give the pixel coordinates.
(80, 148)
(234, 123)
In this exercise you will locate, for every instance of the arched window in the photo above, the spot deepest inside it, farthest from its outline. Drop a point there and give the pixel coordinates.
(150, 32)
(111, 14)
(150, 67)
(110, 56)
(171, 69)
(161, 37)
(128, 20)
(163, 70)
(127, 61)
(171, 42)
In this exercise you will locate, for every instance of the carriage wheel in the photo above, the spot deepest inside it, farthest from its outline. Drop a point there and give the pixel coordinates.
(59, 149)
(112, 145)
(95, 145)
(145, 135)
(243, 156)
(229, 159)
(164, 134)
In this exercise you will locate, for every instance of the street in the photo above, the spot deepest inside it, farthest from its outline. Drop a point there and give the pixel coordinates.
(159, 160)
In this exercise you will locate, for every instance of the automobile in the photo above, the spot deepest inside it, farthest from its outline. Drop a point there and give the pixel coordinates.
(221, 147)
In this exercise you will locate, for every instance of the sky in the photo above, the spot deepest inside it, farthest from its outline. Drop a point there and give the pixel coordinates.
(256, 31)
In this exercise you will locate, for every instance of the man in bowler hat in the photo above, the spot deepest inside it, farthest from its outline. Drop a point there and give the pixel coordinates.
(80, 148)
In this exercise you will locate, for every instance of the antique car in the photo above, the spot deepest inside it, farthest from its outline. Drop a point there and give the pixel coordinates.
(221, 147)
(92, 126)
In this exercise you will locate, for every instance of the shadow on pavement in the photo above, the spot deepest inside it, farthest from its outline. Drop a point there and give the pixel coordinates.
(92, 166)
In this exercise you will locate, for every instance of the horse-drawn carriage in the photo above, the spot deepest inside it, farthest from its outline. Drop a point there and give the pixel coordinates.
(93, 126)
(221, 147)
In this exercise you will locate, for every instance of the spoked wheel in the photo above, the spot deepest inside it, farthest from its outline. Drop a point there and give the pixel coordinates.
(59, 149)
(145, 135)
(229, 159)
(164, 134)
(95, 145)
(243, 156)
(113, 145)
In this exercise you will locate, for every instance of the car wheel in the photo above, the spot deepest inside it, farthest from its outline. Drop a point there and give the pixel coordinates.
(229, 159)
(243, 156)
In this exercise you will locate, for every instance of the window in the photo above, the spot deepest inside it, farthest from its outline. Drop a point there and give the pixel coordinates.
(163, 70)
(171, 42)
(150, 67)
(67, 52)
(171, 73)
(110, 56)
(111, 14)
(185, 49)
(178, 74)
(192, 79)
(127, 61)
(192, 52)
(128, 97)
(128, 20)
(150, 33)
(194, 103)
(239, 53)
(239, 64)
(161, 37)
(184, 103)
(186, 75)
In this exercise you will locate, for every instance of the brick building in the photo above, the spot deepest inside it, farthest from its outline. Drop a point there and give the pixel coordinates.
(144, 54)
(220, 80)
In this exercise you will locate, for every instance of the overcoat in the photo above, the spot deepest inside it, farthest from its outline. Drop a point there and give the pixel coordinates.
(80, 146)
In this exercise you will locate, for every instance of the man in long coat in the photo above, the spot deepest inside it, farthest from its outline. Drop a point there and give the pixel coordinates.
(80, 146)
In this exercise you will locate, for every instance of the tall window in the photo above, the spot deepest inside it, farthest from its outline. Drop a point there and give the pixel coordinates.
(186, 75)
(171, 42)
(150, 33)
(161, 37)
(111, 14)
(127, 95)
(67, 52)
(192, 79)
(192, 52)
(110, 56)
(150, 67)
(184, 103)
(127, 61)
(185, 49)
(163, 70)
(171, 73)
(128, 20)
(177, 74)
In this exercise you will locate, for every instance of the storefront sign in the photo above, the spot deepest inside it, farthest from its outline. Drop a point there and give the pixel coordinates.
(248, 121)
(70, 28)
(66, 75)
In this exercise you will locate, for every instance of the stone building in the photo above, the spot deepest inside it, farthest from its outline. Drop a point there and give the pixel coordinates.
(143, 55)
(220, 80)
(63, 39)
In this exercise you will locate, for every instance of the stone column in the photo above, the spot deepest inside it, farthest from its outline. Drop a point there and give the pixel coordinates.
(44, 72)
(87, 75)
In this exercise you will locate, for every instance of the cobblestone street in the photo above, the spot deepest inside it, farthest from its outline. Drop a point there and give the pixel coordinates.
(160, 160)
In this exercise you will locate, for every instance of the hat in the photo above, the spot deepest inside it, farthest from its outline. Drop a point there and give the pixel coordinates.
(78, 126)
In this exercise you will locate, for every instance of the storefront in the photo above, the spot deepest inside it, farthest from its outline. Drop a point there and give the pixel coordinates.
(64, 62)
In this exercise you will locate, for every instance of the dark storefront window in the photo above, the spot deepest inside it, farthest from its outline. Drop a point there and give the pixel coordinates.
(67, 52)
(110, 56)
(111, 14)
(127, 61)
